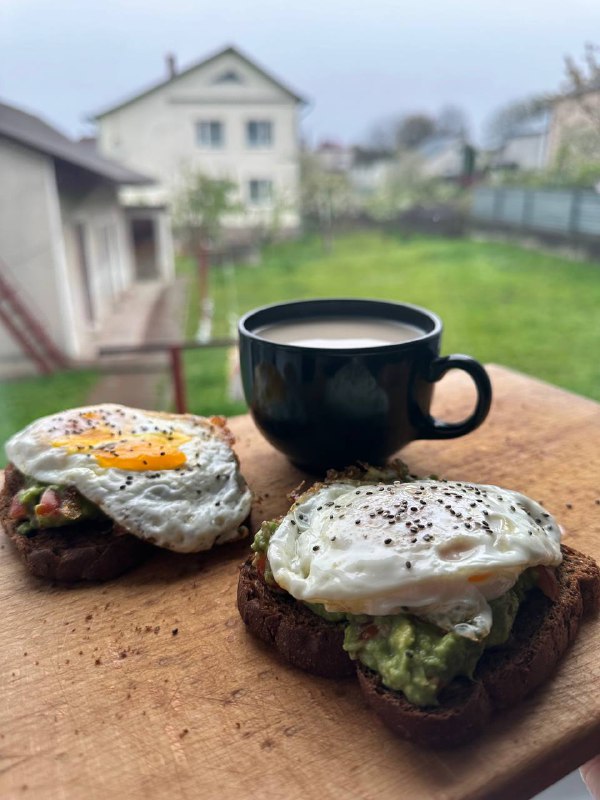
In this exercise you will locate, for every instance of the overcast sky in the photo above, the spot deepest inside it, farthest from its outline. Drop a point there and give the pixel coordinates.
(357, 61)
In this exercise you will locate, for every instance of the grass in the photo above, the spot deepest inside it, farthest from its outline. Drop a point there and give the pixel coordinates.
(500, 303)
(26, 399)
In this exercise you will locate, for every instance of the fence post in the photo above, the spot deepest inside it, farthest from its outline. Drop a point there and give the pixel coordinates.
(527, 207)
(574, 212)
(178, 379)
(498, 203)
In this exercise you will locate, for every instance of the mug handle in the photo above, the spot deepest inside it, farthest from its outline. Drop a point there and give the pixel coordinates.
(438, 429)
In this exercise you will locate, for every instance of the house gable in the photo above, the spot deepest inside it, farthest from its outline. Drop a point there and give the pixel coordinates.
(227, 77)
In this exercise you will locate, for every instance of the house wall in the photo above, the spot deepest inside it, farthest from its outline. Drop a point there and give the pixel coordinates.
(32, 249)
(93, 219)
(156, 135)
(527, 152)
(163, 240)
(448, 163)
(574, 123)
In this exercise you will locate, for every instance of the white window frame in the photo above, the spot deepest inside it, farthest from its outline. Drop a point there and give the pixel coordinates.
(205, 134)
(260, 192)
(263, 135)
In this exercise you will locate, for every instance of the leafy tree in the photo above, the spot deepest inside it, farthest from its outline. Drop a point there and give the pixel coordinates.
(199, 210)
(325, 196)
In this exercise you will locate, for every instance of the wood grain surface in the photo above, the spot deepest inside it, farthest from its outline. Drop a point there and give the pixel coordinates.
(150, 687)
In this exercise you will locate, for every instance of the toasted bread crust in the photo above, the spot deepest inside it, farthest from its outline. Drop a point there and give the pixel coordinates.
(303, 639)
(505, 675)
(96, 550)
(542, 632)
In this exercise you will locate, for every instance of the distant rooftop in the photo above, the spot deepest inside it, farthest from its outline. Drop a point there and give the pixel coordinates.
(535, 125)
(438, 143)
(33, 132)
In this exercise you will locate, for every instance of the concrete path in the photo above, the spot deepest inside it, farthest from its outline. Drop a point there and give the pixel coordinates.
(150, 312)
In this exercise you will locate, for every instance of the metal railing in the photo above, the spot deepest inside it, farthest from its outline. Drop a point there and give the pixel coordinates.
(174, 351)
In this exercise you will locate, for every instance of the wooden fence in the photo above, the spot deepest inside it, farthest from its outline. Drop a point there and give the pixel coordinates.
(570, 214)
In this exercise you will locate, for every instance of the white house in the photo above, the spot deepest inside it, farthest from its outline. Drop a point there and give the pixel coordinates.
(68, 250)
(224, 116)
(443, 156)
(526, 147)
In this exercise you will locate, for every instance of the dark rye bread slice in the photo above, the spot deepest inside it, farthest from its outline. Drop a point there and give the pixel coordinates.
(542, 632)
(504, 675)
(94, 550)
(300, 636)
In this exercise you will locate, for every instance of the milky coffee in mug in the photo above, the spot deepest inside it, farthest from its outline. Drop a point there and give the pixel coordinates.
(333, 382)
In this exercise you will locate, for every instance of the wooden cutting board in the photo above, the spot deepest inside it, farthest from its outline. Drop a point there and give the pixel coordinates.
(150, 687)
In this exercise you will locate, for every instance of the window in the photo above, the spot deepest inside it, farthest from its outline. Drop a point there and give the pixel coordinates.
(260, 192)
(230, 76)
(259, 133)
(210, 133)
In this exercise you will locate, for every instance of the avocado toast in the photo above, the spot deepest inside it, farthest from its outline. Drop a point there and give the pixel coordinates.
(435, 664)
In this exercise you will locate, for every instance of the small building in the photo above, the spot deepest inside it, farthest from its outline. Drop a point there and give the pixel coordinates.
(526, 147)
(445, 156)
(68, 249)
(334, 157)
(224, 116)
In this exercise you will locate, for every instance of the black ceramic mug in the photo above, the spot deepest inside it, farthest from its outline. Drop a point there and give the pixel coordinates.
(327, 407)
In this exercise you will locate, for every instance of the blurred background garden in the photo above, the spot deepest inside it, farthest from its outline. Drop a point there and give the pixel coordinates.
(142, 213)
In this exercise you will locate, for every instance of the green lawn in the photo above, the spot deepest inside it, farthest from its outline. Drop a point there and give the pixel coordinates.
(499, 302)
(22, 401)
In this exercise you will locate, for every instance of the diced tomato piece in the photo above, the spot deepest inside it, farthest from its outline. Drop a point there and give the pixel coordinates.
(49, 503)
(369, 632)
(548, 582)
(17, 510)
(260, 562)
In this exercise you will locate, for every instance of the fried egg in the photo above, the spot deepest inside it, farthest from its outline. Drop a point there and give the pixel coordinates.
(440, 550)
(170, 479)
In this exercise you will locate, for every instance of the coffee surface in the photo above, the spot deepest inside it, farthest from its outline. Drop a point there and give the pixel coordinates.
(340, 332)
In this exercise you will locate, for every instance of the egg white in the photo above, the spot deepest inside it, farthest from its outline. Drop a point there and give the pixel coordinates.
(189, 508)
(437, 549)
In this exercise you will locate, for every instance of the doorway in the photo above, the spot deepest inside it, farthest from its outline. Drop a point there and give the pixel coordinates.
(143, 232)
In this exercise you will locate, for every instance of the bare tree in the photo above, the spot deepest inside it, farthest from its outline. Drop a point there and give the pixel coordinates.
(405, 132)
(582, 79)
(452, 121)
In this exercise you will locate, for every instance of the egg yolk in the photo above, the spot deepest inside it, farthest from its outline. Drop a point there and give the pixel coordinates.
(131, 451)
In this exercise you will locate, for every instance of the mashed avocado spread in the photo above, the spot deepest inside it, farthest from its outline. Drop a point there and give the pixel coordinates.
(39, 506)
(413, 656)
(417, 658)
